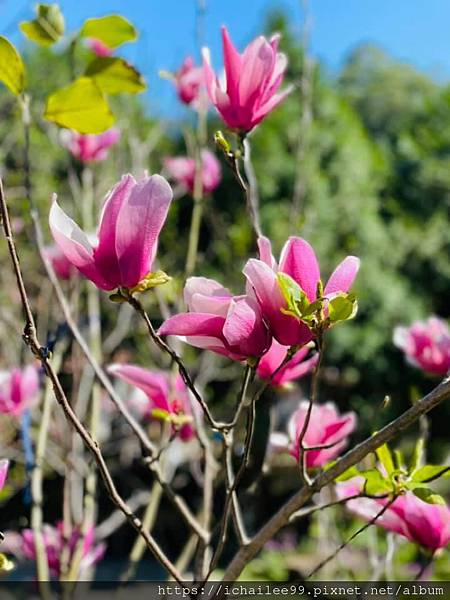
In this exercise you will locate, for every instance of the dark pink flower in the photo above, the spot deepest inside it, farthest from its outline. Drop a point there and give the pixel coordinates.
(182, 170)
(167, 399)
(130, 223)
(22, 546)
(252, 80)
(63, 268)
(326, 428)
(98, 47)
(89, 147)
(4, 465)
(298, 260)
(189, 81)
(420, 522)
(297, 367)
(217, 321)
(18, 390)
(426, 345)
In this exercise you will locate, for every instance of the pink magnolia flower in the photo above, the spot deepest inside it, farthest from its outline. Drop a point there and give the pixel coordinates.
(299, 261)
(326, 428)
(426, 345)
(189, 81)
(63, 268)
(18, 390)
(130, 223)
(4, 465)
(296, 368)
(89, 147)
(99, 48)
(252, 81)
(22, 546)
(420, 522)
(167, 400)
(217, 321)
(182, 170)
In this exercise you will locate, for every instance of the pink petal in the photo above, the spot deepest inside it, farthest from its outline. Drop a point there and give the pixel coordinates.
(138, 225)
(244, 329)
(206, 296)
(343, 276)
(265, 252)
(270, 104)
(257, 64)
(298, 260)
(4, 465)
(154, 385)
(232, 63)
(196, 324)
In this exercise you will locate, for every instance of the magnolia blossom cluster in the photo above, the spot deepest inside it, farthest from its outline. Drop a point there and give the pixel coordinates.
(89, 148)
(182, 169)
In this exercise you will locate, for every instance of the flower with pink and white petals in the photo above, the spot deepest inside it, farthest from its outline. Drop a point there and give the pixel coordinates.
(22, 546)
(4, 466)
(296, 368)
(420, 522)
(252, 80)
(98, 47)
(218, 321)
(19, 390)
(189, 81)
(326, 428)
(89, 147)
(426, 345)
(182, 170)
(298, 260)
(63, 268)
(130, 223)
(167, 399)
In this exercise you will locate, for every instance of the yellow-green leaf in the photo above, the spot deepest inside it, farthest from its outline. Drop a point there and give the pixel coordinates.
(12, 69)
(428, 496)
(112, 30)
(80, 106)
(115, 75)
(48, 26)
(385, 457)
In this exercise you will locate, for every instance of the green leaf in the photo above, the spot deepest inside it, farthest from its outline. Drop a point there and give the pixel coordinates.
(375, 483)
(48, 26)
(385, 457)
(342, 308)
(296, 299)
(112, 30)
(348, 474)
(428, 496)
(80, 106)
(12, 69)
(430, 473)
(115, 75)
(417, 455)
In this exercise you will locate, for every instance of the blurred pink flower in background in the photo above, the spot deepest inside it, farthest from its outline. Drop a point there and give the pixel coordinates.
(297, 367)
(426, 345)
(18, 390)
(89, 147)
(326, 427)
(167, 400)
(189, 81)
(63, 268)
(299, 261)
(217, 321)
(4, 466)
(22, 546)
(130, 223)
(98, 47)
(182, 170)
(252, 79)
(420, 522)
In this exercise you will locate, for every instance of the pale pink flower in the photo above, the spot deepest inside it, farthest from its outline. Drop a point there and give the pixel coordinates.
(297, 367)
(251, 83)
(326, 428)
(189, 81)
(99, 48)
(167, 399)
(130, 223)
(298, 260)
(426, 345)
(18, 390)
(182, 169)
(22, 546)
(63, 268)
(217, 321)
(420, 522)
(89, 147)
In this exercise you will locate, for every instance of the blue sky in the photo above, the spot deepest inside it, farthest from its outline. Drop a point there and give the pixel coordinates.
(416, 31)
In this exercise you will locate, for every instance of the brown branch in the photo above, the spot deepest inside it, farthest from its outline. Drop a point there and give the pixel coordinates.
(41, 353)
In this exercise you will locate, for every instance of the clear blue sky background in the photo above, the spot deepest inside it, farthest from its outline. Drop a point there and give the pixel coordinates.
(417, 31)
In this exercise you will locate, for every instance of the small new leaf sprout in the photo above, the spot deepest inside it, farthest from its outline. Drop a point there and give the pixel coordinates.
(150, 281)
